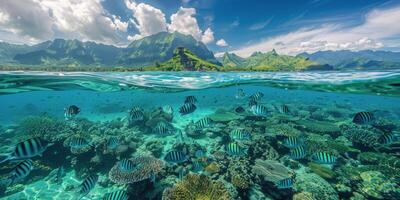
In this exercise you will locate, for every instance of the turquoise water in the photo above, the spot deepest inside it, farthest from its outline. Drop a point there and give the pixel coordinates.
(321, 110)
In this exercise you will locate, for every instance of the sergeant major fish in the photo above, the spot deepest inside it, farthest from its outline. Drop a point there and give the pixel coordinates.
(116, 195)
(240, 134)
(87, 185)
(323, 158)
(126, 165)
(22, 170)
(187, 108)
(190, 99)
(234, 149)
(176, 157)
(363, 118)
(27, 149)
(285, 183)
(259, 110)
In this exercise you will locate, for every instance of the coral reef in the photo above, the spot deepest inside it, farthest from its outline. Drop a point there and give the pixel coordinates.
(360, 136)
(376, 185)
(270, 170)
(315, 185)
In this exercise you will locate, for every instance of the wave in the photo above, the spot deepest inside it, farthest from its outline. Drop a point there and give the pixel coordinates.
(372, 82)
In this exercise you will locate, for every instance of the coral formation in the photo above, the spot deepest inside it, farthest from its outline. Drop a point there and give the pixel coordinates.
(375, 185)
(270, 170)
(315, 185)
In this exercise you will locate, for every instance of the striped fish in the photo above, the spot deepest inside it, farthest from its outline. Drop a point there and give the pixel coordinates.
(363, 118)
(252, 103)
(297, 153)
(190, 99)
(285, 183)
(136, 114)
(87, 185)
(284, 109)
(187, 108)
(323, 158)
(162, 129)
(176, 157)
(256, 96)
(292, 142)
(22, 170)
(28, 149)
(71, 111)
(197, 166)
(117, 195)
(77, 143)
(112, 143)
(199, 154)
(203, 123)
(259, 110)
(240, 134)
(182, 171)
(126, 165)
(389, 138)
(234, 149)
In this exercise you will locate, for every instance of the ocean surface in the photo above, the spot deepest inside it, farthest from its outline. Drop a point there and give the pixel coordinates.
(192, 135)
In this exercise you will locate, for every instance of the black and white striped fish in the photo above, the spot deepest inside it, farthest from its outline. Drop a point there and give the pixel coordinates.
(292, 142)
(22, 170)
(112, 143)
(78, 143)
(252, 103)
(389, 138)
(285, 183)
(297, 153)
(256, 96)
(87, 185)
(196, 166)
(162, 129)
(126, 165)
(240, 134)
(259, 110)
(284, 109)
(190, 99)
(203, 123)
(116, 195)
(136, 114)
(27, 149)
(363, 118)
(176, 157)
(71, 111)
(187, 108)
(234, 149)
(323, 158)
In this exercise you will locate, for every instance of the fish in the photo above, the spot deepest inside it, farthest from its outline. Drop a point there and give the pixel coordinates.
(259, 110)
(285, 183)
(234, 149)
(197, 166)
(126, 165)
(22, 170)
(71, 111)
(168, 109)
(292, 142)
(297, 153)
(323, 158)
(116, 195)
(176, 157)
(256, 96)
(363, 118)
(252, 103)
(27, 149)
(389, 138)
(187, 108)
(203, 123)
(182, 171)
(136, 114)
(162, 129)
(60, 174)
(199, 154)
(87, 185)
(190, 99)
(240, 94)
(240, 134)
(239, 109)
(77, 143)
(284, 109)
(112, 143)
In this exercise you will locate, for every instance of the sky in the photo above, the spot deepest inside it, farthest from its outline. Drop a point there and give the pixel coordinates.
(242, 27)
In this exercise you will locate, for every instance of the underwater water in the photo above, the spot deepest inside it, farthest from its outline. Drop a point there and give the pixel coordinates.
(154, 135)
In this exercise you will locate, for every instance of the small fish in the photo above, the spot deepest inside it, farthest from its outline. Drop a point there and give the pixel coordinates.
(256, 96)
(71, 111)
(60, 174)
(87, 185)
(182, 171)
(190, 99)
(197, 166)
(203, 123)
(284, 109)
(117, 195)
(112, 143)
(27, 149)
(77, 143)
(126, 165)
(292, 142)
(239, 109)
(162, 129)
(240, 134)
(176, 157)
(187, 108)
(323, 158)
(234, 149)
(285, 183)
(168, 109)
(252, 103)
(259, 110)
(297, 153)
(136, 114)
(363, 118)
(240, 94)
(389, 138)
(22, 170)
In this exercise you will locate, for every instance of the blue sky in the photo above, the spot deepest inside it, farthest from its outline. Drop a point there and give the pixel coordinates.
(237, 26)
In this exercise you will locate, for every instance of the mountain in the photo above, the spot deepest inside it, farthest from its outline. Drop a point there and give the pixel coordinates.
(184, 60)
(366, 59)
(270, 61)
(160, 47)
(8, 51)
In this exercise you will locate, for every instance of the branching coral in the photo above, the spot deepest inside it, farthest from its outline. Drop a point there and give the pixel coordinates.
(197, 187)
(271, 170)
(240, 181)
(361, 136)
(146, 166)
(42, 126)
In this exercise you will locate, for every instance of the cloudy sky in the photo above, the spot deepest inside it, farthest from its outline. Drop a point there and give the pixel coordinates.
(237, 26)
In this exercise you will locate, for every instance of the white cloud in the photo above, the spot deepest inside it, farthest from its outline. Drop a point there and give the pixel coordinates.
(222, 43)
(208, 36)
(147, 19)
(184, 22)
(259, 26)
(378, 27)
